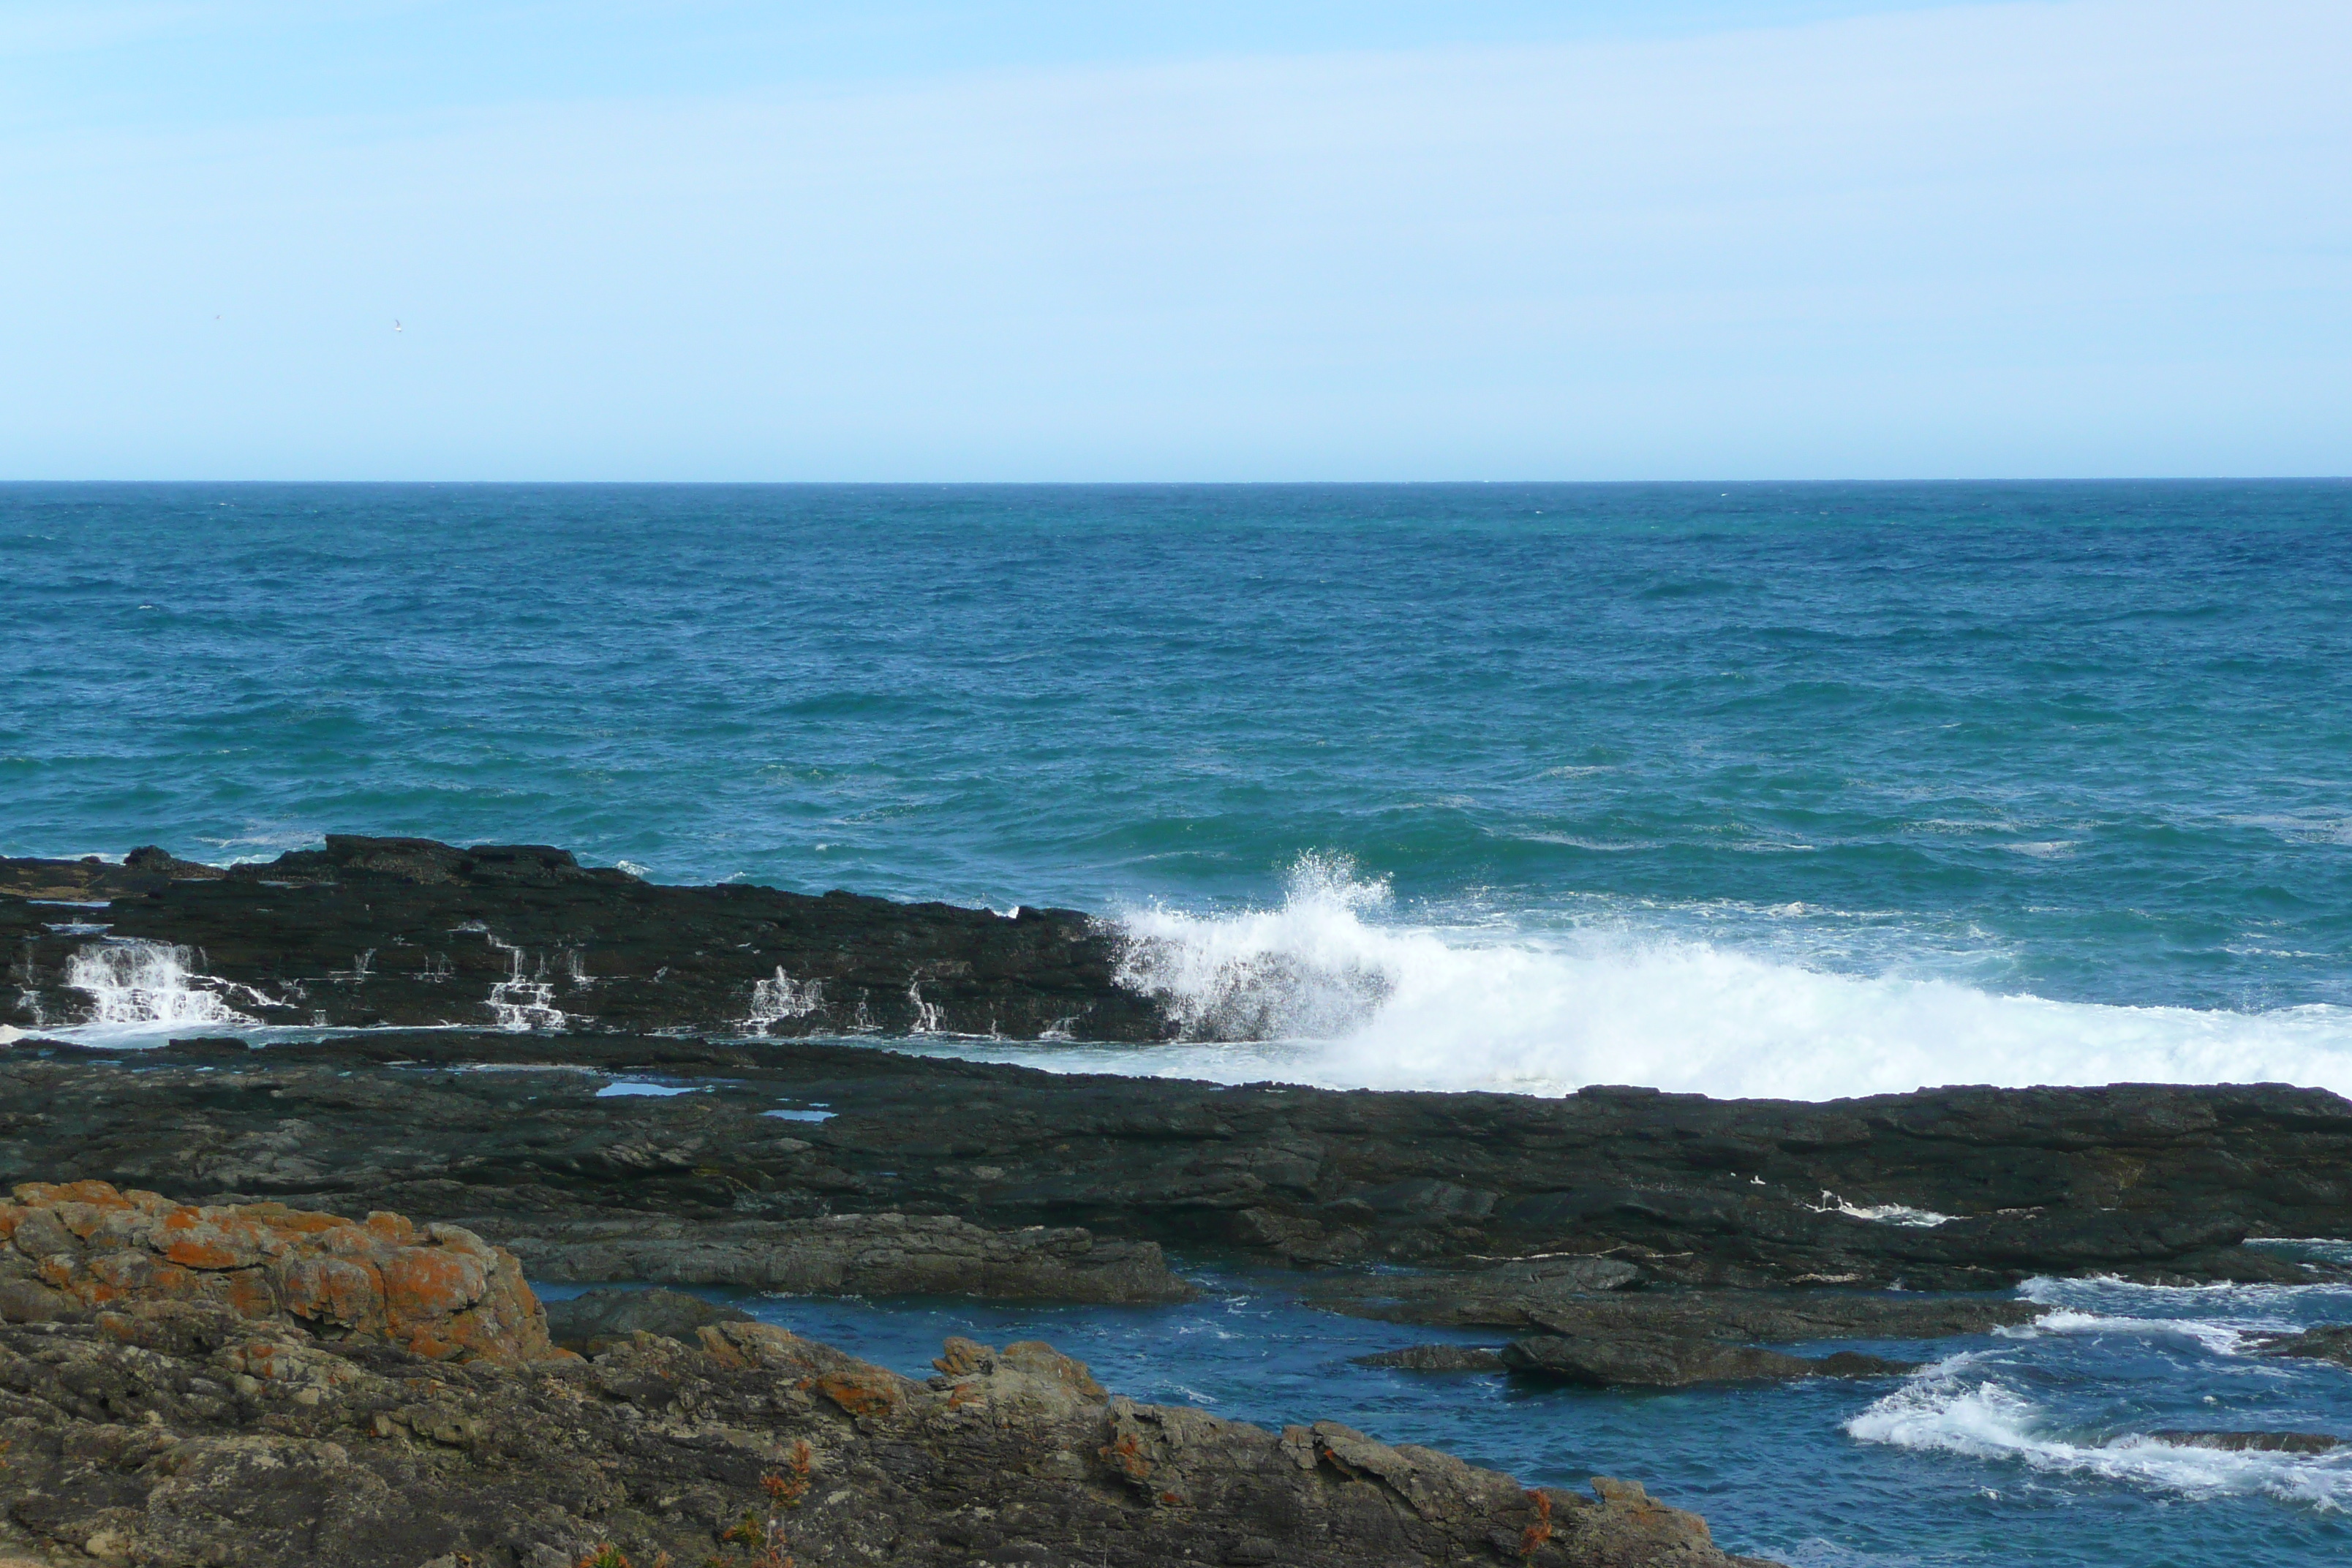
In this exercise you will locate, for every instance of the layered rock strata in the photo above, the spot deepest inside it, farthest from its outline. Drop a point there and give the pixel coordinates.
(1519, 1201)
(1476, 1299)
(407, 930)
(845, 1255)
(1670, 1361)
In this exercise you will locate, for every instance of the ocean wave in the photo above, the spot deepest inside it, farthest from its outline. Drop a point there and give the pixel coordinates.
(1952, 1408)
(1333, 990)
(2216, 1338)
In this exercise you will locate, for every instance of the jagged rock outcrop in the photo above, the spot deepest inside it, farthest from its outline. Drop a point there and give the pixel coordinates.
(181, 1430)
(409, 931)
(440, 1292)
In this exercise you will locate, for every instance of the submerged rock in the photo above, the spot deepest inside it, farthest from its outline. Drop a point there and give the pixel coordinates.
(1437, 1358)
(1664, 1361)
(2252, 1442)
(2328, 1342)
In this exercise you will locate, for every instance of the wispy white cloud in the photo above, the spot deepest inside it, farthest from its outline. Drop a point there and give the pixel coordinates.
(2087, 236)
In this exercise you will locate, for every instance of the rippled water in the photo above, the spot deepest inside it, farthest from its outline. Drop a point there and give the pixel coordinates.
(1779, 788)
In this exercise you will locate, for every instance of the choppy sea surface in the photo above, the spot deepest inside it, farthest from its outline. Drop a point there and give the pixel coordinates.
(1803, 790)
(1780, 789)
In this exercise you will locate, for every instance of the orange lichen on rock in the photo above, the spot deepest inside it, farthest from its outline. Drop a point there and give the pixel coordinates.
(859, 1396)
(441, 1291)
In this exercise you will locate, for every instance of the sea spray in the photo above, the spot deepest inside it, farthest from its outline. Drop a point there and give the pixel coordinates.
(134, 983)
(1344, 995)
(523, 1002)
(1311, 968)
(1960, 1407)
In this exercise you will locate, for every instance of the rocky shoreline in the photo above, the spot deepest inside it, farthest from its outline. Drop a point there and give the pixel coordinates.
(655, 1119)
(267, 1386)
(368, 933)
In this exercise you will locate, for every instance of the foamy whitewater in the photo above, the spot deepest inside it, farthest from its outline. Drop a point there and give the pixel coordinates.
(2081, 1391)
(1353, 997)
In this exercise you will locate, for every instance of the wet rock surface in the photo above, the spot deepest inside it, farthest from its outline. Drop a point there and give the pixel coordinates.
(1437, 1358)
(1669, 1361)
(1522, 1201)
(407, 931)
(1783, 1316)
(2252, 1442)
(175, 1431)
(2328, 1342)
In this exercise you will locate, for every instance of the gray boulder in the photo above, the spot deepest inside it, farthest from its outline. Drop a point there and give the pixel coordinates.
(595, 1319)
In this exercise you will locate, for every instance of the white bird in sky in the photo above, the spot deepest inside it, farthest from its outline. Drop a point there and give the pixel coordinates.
(395, 324)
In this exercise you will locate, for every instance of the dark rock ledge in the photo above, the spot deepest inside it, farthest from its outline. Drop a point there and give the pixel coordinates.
(227, 1385)
(410, 932)
(1530, 1215)
(1634, 1359)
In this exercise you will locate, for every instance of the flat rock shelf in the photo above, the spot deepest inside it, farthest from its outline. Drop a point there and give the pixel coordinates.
(742, 1162)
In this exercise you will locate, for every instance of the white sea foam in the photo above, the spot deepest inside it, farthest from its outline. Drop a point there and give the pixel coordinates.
(1342, 996)
(524, 1001)
(1952, 1408)
(774, 1000)
(2220, 1338)
(140, 985)
(1882, 1214)
(2222, 1319)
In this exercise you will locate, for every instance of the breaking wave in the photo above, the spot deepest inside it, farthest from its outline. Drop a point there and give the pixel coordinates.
(1954, 1408)
(1328, 989)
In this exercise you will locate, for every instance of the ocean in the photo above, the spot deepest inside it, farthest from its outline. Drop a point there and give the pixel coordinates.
(1766, 789)
(1799, 790)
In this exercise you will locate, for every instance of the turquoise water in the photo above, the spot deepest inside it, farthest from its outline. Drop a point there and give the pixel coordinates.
(1808, 789)
(1800, 789)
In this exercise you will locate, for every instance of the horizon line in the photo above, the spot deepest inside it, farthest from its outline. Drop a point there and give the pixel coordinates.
(1200, 484)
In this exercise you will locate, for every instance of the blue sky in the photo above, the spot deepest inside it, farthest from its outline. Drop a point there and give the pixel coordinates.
(905, 241)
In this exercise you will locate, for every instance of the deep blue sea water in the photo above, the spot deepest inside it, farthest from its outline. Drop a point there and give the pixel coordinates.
(1800, 789)
(1791, 789)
